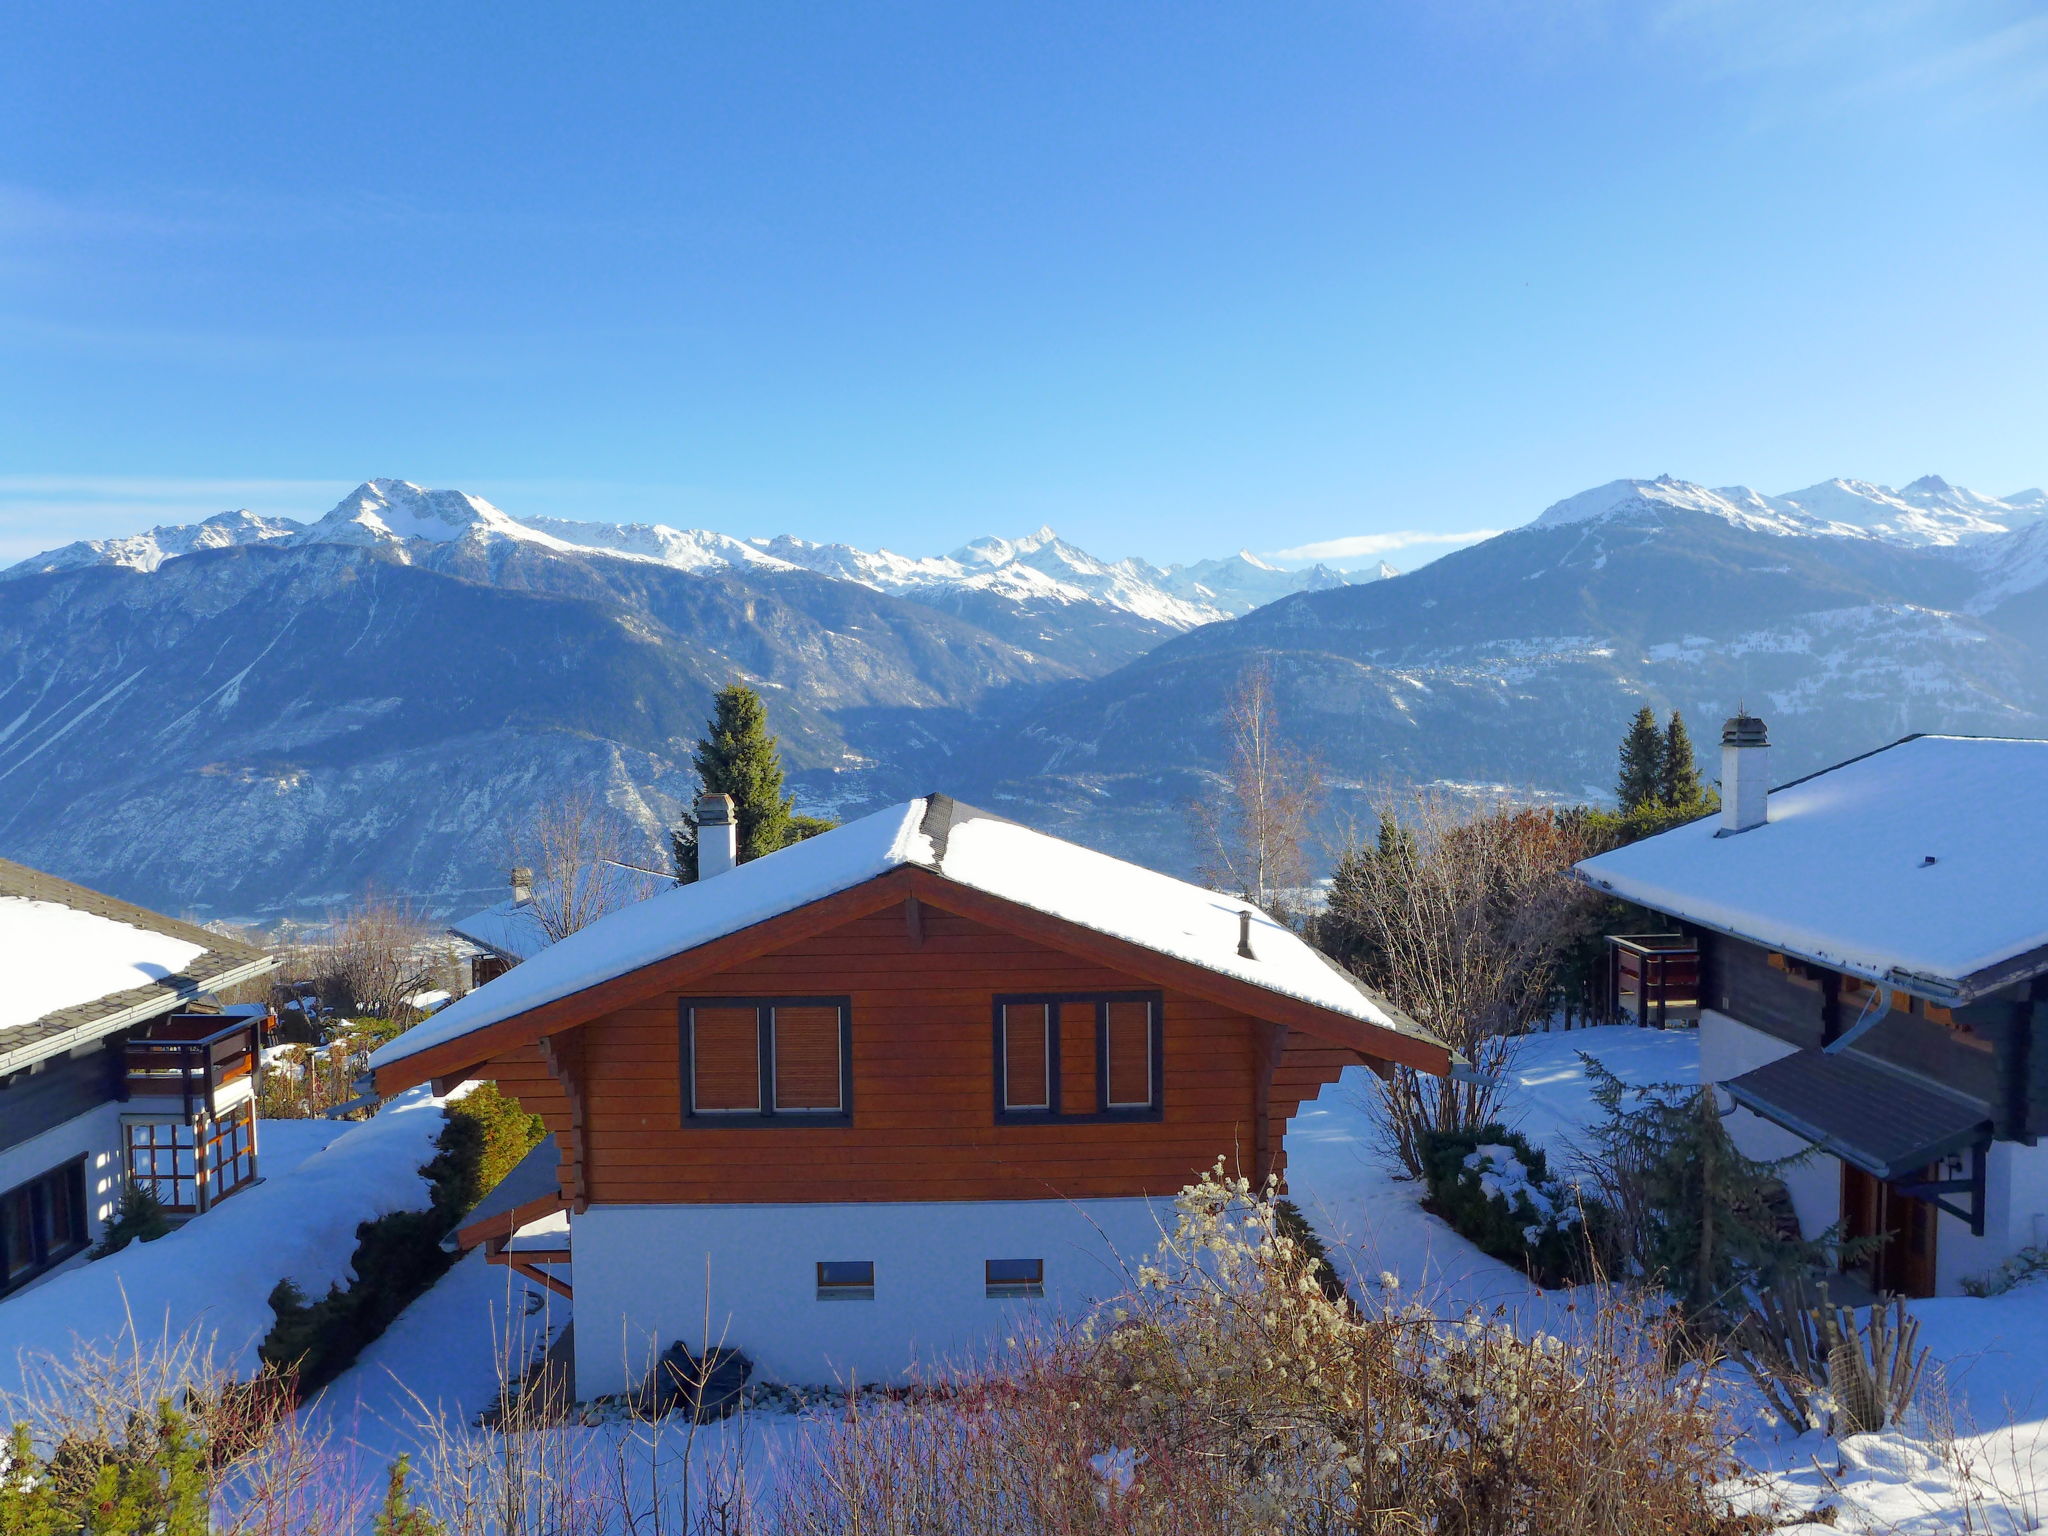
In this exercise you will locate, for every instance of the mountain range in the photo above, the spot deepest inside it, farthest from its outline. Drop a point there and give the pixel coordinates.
(250, 716)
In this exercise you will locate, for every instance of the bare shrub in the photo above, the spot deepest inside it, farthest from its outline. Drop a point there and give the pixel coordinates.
(150, 1429)
(574, 845)
(1458, 918)
(380, 953)
(1813, 1362)
(1255, 833)
(1229, 1393)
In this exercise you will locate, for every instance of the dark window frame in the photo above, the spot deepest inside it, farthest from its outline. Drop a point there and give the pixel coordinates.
(764, 1062)
(1100, 1113)
(68, 1180)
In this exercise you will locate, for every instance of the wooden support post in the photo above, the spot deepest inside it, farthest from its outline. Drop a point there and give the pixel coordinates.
(1271, 1044)
(562, 1054)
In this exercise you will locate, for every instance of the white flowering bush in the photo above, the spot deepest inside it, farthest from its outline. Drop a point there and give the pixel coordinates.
(1229, 1392)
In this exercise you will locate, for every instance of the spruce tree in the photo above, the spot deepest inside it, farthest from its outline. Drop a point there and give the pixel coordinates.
(1679, 783)
(736, 756)
(1642, 762)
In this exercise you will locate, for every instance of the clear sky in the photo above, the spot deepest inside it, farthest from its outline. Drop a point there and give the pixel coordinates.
(1175, 277)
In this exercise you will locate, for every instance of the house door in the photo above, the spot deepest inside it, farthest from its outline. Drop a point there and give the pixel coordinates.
(1904, 1262)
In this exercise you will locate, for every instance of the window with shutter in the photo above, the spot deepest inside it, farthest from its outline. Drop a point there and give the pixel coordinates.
(1078, 1056)
(1027, 1057)
(1127, 1050)
(761, 1060)
(806, 1042)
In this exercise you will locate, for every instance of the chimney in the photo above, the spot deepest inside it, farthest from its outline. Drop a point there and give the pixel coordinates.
(522, 884)
(1745, 775)
(718, 836)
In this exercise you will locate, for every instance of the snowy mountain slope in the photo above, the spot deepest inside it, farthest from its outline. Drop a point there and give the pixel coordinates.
(147, 551)
(1930, 511)
(1239, 583)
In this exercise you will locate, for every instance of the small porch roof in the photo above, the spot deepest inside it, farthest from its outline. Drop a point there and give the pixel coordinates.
(1869, 1114)
(532, 1189)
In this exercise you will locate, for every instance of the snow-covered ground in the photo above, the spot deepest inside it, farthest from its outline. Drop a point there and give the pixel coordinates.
(1973, 1462)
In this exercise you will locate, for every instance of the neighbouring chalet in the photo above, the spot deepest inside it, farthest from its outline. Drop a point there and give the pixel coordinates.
(527, 921)
(877, 1090)
(116, 1064)
(1866, 953)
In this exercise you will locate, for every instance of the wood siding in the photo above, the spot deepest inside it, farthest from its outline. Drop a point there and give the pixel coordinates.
(56, 1089)
(924, 1125)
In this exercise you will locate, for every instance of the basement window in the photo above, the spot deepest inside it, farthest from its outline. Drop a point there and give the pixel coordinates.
(846, 1280)
(1078, 1056)
(1013, 1279)
(753, 1060)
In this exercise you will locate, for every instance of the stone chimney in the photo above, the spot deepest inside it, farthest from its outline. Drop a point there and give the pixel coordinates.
(1745, 775)
(522, 884)
(718, 836)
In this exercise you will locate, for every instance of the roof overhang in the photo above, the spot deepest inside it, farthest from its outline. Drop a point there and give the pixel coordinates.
(163, 997)
(1870, 1114)
(1401, 1041)
(530, 1191)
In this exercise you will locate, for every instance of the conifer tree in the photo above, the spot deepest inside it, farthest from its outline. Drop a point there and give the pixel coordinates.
(1679, 785)
(399, 1515)
(738, 757)
(1642, 762)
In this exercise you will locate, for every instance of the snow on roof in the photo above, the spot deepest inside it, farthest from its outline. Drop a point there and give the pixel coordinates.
(514, 929)
(964, 845)
(1840, 873)
(59, 957)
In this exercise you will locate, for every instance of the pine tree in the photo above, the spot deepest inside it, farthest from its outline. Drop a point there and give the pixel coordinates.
(1678, 778)
(1642, 762)
(399, 1515)
(738, 757)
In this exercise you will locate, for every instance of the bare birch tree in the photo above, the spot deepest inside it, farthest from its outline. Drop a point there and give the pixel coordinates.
(575, 845)
(1254, 833)
(1459, 920)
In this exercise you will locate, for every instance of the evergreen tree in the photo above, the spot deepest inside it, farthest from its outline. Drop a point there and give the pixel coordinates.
(1642, 762)
(1678, 778)
(738, 757)
(399, 1515)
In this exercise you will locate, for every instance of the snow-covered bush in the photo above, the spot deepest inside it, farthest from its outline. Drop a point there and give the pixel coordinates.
(2021, 1267)
(1497, 1190)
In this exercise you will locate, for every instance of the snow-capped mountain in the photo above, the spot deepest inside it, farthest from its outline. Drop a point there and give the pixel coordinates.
(1041, 573)
(1929, 512)
(147, 551)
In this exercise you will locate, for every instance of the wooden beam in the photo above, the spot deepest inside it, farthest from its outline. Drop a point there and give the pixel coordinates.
(505, 1223)
(565, 1061)
(519, 1266)
(1182, 975)
(466, 1051)
(1270, 1042)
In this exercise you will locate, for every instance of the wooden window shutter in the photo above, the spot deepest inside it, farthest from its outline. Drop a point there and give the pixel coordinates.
(1026, 1065)
(1129, 1054)
(807, 1075)
(725, 1060)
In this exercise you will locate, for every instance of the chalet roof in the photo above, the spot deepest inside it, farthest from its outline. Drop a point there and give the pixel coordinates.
(959, 844)
(1881, 1118)
(513, 929)
(81, 964)
(1919, 865)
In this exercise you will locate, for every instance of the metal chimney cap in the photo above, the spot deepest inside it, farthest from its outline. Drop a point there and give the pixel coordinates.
(1745, 731)
(714, 809)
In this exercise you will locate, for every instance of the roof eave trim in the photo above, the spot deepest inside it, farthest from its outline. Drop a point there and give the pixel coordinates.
(187, 988)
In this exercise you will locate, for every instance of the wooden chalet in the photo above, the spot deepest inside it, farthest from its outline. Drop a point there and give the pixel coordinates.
(1865, 953)
(932, 1062)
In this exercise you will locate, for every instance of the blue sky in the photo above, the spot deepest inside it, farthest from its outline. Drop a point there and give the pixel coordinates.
(1174, 277)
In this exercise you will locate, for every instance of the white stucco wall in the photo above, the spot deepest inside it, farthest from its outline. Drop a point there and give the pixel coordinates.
(95, 1135)
(1728, 1049)
(641, 1274)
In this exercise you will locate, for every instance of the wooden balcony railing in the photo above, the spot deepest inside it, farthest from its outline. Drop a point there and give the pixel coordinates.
(192, 1057)
(1654, 979)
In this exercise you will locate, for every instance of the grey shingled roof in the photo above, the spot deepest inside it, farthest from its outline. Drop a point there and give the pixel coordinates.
(1866, 1112)
(224, 961)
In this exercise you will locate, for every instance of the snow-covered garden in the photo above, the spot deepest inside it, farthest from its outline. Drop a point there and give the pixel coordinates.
(1968, 1458)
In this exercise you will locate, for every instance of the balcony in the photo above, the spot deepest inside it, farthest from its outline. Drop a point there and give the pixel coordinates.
(204, 1062)
(1654, 979)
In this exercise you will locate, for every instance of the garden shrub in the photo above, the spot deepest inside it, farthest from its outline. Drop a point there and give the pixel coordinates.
(1290, 1223)
(141, 1219)
(1495, 1188)
(399, 1255)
